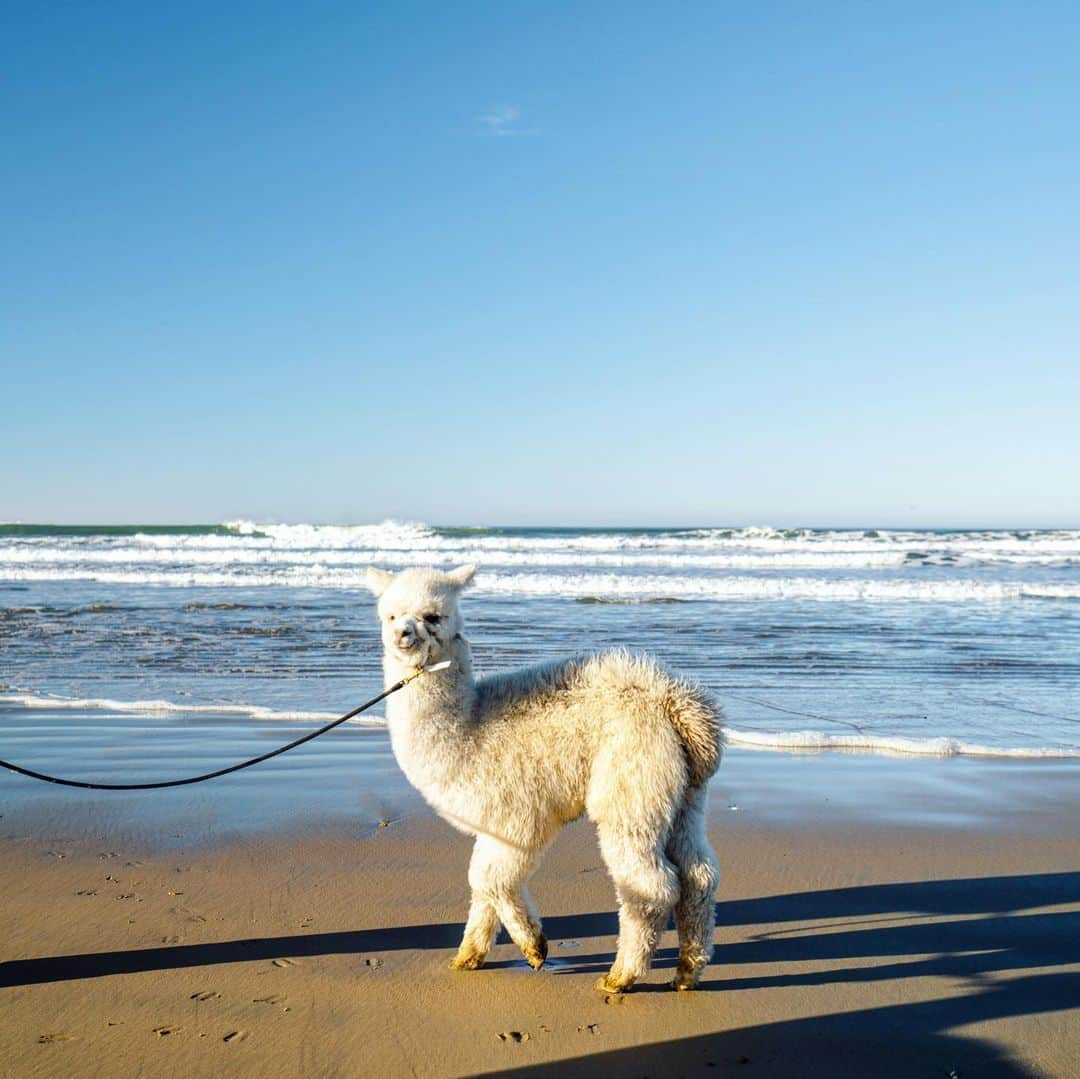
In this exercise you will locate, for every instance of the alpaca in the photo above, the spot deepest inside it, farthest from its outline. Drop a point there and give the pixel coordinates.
(512, 758)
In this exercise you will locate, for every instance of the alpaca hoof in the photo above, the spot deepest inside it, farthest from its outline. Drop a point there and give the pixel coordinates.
(467, 961)
(610, 986)
(537, 953)
(687, 976)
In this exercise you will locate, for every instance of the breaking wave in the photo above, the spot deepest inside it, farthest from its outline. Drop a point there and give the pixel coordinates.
(590, 565)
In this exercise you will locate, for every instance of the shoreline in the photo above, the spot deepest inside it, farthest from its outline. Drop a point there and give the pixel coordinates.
(348, 782)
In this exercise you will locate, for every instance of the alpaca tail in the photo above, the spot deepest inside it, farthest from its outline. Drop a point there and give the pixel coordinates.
(696, 719)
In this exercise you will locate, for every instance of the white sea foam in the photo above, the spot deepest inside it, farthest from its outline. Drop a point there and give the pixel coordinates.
(395, 534)
(889, 745)
(159, 707)
(227, 556)
(778, 741)
(589, 585)
(786, 588)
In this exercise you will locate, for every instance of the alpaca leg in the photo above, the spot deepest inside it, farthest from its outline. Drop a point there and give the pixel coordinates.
(497, 875)
(480, 930)
(647, 886)
(483, 921)
(699, 874)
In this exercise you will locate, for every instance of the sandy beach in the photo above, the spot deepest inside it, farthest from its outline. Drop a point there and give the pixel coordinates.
(844, 947)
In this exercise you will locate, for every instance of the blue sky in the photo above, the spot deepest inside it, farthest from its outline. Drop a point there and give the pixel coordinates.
(541, 263)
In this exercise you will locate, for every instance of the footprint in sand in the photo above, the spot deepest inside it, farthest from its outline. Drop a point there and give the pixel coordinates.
(52, 1039)
(206, 994)
(171, 940)
(235, 1036)
(86, 891)
(284, 962)
(514, 1036)
(164, 1032)
(373, 962)
(273, 998)
(187, 914)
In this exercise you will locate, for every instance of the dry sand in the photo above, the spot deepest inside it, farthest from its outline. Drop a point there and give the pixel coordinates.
(843, 950)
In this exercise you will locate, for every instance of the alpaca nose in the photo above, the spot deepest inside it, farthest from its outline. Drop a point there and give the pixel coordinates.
(405, 637)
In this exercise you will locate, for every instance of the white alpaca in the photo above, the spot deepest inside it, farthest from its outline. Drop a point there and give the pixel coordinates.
(512, 758)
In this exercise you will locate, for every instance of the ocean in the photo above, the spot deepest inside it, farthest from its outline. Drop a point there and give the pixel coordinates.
(935, 643)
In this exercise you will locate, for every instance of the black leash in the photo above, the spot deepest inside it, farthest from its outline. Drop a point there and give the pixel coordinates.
(233, 767)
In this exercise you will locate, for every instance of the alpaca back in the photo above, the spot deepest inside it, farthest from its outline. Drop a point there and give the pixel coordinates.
(598, 693)
(685, 705)
(528, 691)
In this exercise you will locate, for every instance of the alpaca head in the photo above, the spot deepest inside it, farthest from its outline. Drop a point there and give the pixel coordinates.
(418, 610)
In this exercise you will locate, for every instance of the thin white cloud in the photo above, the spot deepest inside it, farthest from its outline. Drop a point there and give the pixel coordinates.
(502, 121)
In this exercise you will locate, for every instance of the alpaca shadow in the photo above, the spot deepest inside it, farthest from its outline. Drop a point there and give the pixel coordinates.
(898, 1041)
(1005, 937)
(435, 936)
(995, 935)
(999, 935)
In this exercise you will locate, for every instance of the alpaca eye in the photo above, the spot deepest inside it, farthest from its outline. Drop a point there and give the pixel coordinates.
(432, 619)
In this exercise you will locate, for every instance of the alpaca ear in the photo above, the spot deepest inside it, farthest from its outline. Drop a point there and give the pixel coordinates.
(461, 576)
(378, 580)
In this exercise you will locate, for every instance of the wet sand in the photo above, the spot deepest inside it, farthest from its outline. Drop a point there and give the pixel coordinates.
(846, 946)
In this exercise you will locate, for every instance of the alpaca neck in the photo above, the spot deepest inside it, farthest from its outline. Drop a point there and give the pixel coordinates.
(441, 700)
(431, 724)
